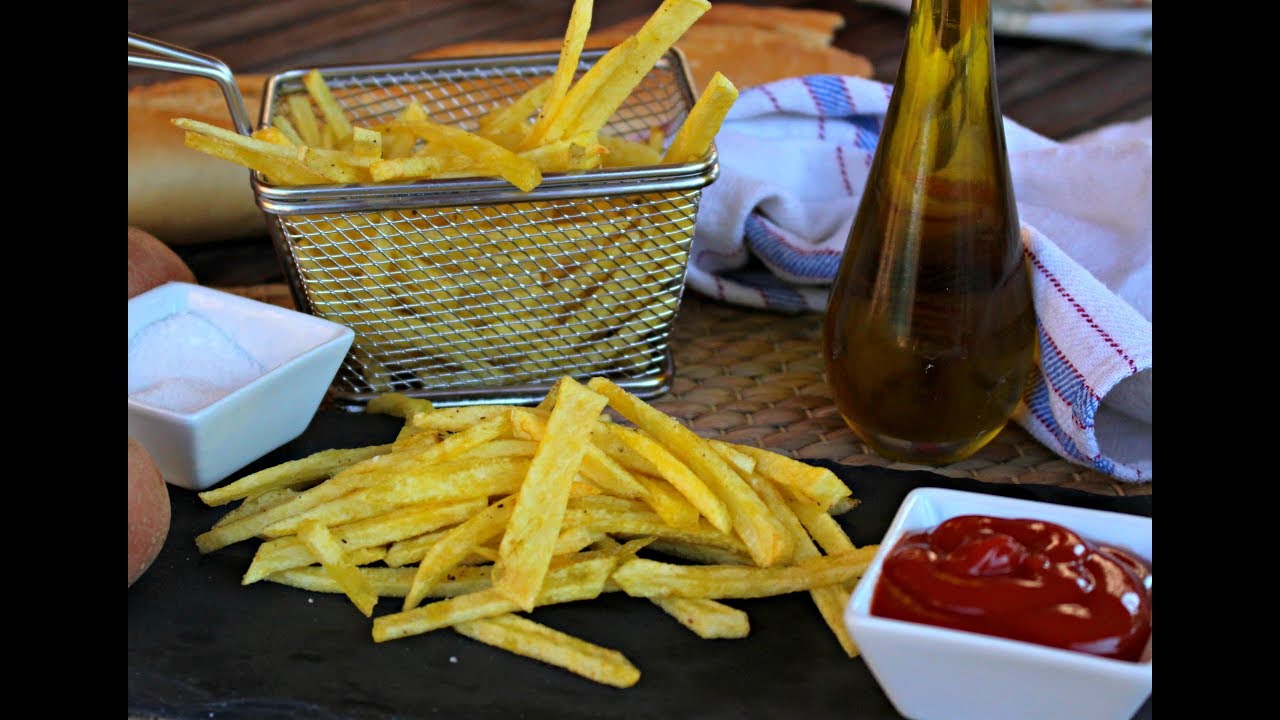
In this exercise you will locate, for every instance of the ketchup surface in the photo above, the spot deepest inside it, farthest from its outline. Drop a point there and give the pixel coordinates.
(1020, 579)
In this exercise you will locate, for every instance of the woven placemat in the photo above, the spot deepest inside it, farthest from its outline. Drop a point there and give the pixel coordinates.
(756, 378)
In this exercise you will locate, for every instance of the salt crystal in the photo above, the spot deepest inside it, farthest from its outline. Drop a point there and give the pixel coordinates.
(183, 362)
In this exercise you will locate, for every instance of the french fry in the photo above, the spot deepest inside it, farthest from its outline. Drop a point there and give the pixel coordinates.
(413, 167)
(366, 142)
(674, 508)
(316, 538)
(818, 485)
(257, 503)
(566, 67)
(581, 152)
(628, 153)
(824, 528)
(282, 122)
(527, 638)
(273, 135)
(649, 578)
(708, 619)
(693, 139)
(399, 405)
(278, 169)
(386, 581)
(334, 116)
(313, 468)
(304, 119)
(527, 545)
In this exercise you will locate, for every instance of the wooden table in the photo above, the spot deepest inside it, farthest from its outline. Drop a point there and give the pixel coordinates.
(773, 394)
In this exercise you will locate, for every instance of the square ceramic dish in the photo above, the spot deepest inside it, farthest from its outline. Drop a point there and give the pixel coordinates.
(216, 380)
(931, 672)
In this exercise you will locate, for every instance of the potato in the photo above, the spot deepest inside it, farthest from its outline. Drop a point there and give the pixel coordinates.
(148, 510)
(152, 263)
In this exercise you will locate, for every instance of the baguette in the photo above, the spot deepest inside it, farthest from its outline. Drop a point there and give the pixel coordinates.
(175, 193)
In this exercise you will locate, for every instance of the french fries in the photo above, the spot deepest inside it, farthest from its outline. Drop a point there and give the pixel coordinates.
(483, 513)
(473, 516)
(558, 125)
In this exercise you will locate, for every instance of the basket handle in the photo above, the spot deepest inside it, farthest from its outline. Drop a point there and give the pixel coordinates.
(163, 56)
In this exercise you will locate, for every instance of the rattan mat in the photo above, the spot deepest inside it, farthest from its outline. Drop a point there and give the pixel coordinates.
(756, 378)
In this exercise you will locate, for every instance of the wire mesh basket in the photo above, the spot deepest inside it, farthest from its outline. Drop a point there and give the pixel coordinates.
(468, 290)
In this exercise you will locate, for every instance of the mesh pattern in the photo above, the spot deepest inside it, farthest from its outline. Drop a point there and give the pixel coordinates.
(522, 293)
(446, 300)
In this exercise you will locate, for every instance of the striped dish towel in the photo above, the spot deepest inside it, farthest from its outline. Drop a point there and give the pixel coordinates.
(794, 156)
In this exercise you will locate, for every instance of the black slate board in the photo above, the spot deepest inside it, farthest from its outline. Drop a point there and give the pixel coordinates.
(203, 646)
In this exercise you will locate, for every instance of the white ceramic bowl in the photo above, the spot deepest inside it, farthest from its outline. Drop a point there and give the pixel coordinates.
(932, 672)
(217, 380)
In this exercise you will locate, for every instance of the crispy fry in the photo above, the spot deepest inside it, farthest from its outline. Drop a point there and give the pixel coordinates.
(649, 578)
(708, 619)
(575, 36)
(334, 116)
(313, 468)
(530, 639)
(316, 538)
(535, 522)
(693, 139)
(386, 581)
(819, 485)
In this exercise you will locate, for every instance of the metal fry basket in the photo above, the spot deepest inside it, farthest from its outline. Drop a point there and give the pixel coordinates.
(468, 290)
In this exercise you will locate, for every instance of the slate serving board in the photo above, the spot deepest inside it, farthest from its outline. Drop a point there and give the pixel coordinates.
(203, 646)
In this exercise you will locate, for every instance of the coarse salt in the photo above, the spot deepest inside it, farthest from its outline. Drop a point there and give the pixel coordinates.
(183, 362)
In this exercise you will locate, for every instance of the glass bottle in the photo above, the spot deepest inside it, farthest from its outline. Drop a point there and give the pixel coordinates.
(929, 334)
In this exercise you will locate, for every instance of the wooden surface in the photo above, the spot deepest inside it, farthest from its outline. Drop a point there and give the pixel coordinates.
(1056, 89)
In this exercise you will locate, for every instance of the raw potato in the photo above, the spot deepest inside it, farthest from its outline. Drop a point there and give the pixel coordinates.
(148, 511)
(152, 263)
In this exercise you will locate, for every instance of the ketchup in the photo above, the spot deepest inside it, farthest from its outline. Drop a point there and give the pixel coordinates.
(1020, 579)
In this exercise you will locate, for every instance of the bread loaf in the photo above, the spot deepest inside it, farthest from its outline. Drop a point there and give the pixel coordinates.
(178, 194)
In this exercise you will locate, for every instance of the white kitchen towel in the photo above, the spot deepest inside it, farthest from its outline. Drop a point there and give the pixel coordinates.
(1108, 24)
(794, 156)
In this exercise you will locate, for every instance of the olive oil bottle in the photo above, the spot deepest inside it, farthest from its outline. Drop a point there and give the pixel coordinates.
(929, 334)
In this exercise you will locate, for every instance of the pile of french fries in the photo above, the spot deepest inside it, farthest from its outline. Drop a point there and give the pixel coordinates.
(477, 514)
(556, 126)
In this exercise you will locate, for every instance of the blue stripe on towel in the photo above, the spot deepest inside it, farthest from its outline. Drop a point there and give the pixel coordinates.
(765, 242)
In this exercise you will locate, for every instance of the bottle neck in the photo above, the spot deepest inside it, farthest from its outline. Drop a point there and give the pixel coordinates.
(940, 25)
(944, 116)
